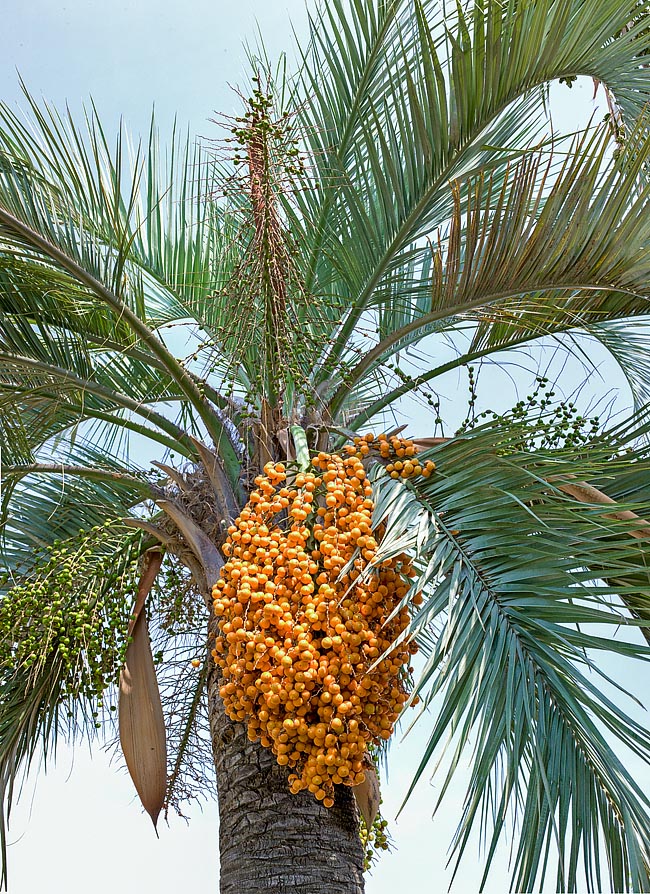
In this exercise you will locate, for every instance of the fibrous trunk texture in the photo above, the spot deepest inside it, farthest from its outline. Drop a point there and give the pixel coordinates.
(270, 839)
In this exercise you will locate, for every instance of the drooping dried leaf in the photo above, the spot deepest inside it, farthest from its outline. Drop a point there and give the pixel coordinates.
(142, 727)
(140, 715)
(367, 794)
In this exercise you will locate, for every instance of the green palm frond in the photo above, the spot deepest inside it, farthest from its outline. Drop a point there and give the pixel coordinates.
(43, 502)
(68, 363)
(512, 624)
(417, 103)
(49, 400)
(627, 342)
(70, 205)
(527, 260)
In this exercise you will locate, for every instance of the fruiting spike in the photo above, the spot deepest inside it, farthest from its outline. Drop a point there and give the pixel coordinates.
(304, 619)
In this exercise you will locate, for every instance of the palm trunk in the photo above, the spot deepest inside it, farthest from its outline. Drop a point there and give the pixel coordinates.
(270, 839)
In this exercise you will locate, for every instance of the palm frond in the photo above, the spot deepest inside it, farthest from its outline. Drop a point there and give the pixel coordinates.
(627, 342)
(69, 205)
(528, 259)
(44, 505)
(57, 390)
(514, 605)
(419, 102)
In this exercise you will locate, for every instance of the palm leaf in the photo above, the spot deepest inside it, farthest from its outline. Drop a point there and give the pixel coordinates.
(627, 344)
(401, 147)
(68, 205)
(510, 570)
(532, 260)
(46, 502)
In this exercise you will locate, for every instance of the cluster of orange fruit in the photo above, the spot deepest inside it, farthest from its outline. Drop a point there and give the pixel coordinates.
(303, 619)
(406, 464)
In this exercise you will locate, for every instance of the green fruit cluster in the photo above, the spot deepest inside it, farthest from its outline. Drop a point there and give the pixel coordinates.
(373, 840)
(72, 610)
(546, 423)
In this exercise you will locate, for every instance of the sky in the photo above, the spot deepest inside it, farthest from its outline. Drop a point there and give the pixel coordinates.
(81, 825)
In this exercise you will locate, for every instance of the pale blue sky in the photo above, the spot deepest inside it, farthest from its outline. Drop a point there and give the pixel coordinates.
(83, 828)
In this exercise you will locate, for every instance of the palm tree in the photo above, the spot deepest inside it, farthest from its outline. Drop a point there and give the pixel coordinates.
(401, 189)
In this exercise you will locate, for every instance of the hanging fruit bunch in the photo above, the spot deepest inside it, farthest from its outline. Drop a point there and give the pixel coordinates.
(304, 616)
